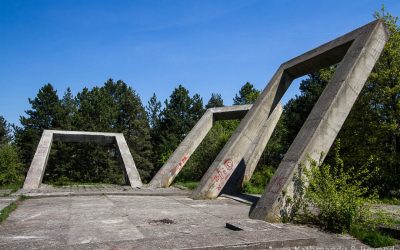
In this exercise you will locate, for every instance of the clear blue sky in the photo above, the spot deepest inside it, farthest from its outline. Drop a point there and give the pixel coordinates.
(207, 46)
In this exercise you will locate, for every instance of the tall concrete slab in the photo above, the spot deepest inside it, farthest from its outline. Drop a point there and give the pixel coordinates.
(167, 173)
(38, 164)
(359, 50)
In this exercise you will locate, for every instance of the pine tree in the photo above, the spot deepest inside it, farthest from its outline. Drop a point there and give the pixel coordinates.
(215, 101)
(45, 113)
(5, 131)
(247, 95)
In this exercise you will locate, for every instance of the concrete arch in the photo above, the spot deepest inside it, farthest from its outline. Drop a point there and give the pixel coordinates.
(38, 164)
(356, 53)
(168, 172)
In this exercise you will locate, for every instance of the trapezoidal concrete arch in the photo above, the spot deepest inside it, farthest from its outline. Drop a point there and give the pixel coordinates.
(38, 164)
(356, 53)
(168, 172)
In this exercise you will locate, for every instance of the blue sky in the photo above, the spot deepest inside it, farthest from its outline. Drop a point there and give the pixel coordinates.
(207, 46)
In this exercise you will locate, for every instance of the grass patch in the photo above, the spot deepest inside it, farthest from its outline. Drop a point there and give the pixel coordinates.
(371, 236)
(7, 211)
(13, 187)
(250, 188)
(191, 185)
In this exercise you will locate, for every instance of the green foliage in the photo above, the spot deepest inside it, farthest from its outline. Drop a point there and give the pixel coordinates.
(10, 166)
(5, 131)
(259, 180)
(176, 119)
(247, 95)
(371, 236)
(191, 185)
(339, 200)
(208, 149)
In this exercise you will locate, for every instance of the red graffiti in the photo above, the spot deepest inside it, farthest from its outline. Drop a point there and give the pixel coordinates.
(180, 165)
(228, 164)
(222, 175)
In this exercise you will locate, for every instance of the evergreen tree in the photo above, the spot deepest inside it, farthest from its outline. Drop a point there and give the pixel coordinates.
(45, 113)
(215, 101)
(247, 95)
(5, 131)
(180, 114)
(153, 109)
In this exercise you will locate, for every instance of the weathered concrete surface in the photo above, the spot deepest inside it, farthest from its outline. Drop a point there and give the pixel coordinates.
(167, 173)
(359, 50)
(38, 164)
(5, 201)
(141, 222)
(328, 115)
(98, 189)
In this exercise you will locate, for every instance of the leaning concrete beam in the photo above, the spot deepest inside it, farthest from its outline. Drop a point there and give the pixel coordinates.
(37, 168)
(167, 173)
(323, 56)
(256, 149)
(253, 154)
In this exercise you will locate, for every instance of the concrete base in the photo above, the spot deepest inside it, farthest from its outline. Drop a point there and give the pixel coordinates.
(145, 222)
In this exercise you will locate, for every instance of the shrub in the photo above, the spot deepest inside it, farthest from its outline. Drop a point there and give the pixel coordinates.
(259, 180)
(10, 166)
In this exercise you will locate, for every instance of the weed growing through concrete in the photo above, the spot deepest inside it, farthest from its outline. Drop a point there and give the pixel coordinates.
(7, 211)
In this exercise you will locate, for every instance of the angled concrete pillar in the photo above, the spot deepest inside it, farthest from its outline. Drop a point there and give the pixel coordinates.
(38, 164)
(167, 173)
(36, 170)
(245, 170)
(253, 154)
(360, 49)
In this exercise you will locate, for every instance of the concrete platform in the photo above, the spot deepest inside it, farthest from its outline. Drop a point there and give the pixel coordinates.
(5, 201)
(148, 222)
(98, 189)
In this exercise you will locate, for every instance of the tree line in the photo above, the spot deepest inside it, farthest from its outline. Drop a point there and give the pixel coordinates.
(369, 139)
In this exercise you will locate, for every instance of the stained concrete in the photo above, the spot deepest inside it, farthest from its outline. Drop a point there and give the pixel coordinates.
(357, 53)
(38, 164)
(148, 222)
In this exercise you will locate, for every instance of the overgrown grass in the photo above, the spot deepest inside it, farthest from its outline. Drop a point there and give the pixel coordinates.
(371, 236)
(191, 185)
(7, 211)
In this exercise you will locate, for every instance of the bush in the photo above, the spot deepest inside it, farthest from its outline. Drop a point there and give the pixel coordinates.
(259, 180)
(11, 168)
(338, 200)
